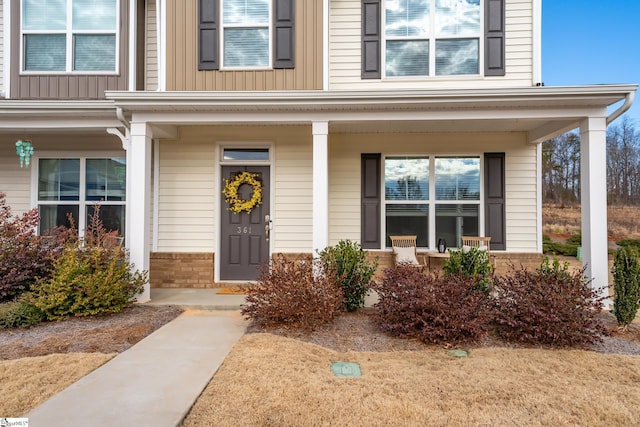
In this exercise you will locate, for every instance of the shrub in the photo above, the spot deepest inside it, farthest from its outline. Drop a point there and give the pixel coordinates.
(433, 309)
(19, 313)
(294, 293)
(348, 261)
(626, 284)
(550, 305)
(575, 240)
(25, 257)
(629, 242)
(93, 278)
(473, 263)
(554, 248)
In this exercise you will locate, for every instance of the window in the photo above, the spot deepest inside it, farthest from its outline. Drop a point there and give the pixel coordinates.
(425, 195)
(69, 35)
(241, 34)
(431, 37)
(72, 186)
(245, 26)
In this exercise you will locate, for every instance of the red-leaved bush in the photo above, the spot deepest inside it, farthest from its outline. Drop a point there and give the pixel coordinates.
(433, 309)
(25, 257)
(294, 293)
(549, 306)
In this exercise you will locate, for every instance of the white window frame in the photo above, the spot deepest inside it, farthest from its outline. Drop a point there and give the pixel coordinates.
(69, 32)
(82, 203)
(432, 201)
(433, 38)
(269, 27)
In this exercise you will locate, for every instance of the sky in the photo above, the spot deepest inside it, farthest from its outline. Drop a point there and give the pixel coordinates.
(592, 42)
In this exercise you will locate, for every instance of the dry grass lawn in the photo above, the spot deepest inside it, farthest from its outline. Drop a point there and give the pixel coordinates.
(29, 381)
(623, 221)
(270, 380)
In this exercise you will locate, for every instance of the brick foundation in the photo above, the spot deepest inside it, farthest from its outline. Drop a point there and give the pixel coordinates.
(196, 269)
(181, 270)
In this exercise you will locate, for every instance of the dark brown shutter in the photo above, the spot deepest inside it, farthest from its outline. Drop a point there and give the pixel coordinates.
(370, 196)
(495, 200)
(371, 37)
(208, 33)
(494, 38)
(284, 34)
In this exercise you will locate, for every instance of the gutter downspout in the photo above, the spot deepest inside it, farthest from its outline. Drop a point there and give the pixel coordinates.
(628, 100)
(126, 145)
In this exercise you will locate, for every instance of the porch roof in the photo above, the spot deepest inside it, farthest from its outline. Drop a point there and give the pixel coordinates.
(542, 112)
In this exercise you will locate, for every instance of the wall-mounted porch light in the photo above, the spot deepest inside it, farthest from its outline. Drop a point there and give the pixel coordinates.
(24, 150)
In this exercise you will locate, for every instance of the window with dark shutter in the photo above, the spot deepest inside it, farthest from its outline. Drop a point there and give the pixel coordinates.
(495, 199)
(371, 39)
(494, 38)
(239, 50)
(370, 206)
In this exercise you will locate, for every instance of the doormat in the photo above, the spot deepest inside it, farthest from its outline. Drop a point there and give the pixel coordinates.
(231, 291)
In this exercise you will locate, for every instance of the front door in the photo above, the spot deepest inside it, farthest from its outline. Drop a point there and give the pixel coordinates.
(244, 236)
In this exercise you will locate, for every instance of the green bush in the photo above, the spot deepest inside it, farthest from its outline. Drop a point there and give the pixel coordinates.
(550, 306)
(349, 262)
(19, 313)
(88, 279)
(553, 248)
(626, 284)
(575, 240)
(629, 242)
(293, 293)
(473, 263)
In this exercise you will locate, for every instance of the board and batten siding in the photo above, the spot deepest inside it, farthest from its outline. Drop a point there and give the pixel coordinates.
(345, 53)
(182, 51)
(190, 195)
(151, 47)
(66, 85)
(520, 174)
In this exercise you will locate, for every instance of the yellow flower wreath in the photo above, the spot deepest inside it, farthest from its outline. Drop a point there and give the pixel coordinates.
(231, 186)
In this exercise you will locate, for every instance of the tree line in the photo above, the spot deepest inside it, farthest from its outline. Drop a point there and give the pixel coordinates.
(561, 166)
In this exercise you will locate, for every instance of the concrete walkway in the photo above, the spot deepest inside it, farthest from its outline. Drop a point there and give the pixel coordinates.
(155, 382)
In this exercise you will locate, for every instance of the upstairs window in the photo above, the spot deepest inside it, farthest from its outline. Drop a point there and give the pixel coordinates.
(431, 37)
(246, 30)
(69, 35)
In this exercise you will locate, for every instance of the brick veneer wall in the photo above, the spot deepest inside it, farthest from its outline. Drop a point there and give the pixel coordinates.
(181, 270)
(196, 269)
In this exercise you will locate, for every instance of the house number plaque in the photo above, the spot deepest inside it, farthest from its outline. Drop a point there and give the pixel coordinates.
(243, 230)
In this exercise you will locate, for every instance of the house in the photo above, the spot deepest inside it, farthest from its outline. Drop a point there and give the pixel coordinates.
(356, 119)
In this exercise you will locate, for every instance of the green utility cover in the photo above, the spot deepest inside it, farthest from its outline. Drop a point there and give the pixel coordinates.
(346, 369)
(457, 353)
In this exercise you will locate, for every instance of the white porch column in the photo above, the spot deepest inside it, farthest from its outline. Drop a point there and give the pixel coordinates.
(320, 185)
(138, 204)
(593, 184)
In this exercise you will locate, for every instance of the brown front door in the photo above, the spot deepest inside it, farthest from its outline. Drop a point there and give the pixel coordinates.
(244, 243)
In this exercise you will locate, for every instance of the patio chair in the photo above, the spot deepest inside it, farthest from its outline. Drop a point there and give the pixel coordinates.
(405, 251)
(481, 243)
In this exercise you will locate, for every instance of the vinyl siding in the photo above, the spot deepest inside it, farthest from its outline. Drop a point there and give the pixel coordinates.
(182, 68)
(189, 192)
(151, 47)
(520, 174)
(344, 53)
(14, 181)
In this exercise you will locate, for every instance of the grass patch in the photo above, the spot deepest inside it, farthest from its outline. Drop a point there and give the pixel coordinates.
(272, 380)
(29, 381)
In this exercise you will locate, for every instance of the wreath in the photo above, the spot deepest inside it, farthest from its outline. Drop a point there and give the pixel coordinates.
(231, 186)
